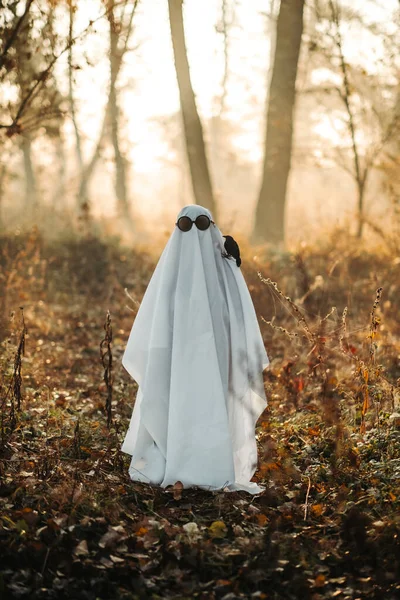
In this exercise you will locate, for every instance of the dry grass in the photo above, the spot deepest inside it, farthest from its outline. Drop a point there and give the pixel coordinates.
(73, 525)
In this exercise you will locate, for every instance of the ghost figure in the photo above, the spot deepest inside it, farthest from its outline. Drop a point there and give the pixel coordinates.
(196, 352)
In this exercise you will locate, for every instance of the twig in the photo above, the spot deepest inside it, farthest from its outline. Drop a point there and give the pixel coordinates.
(298, 314)
(306, 502)
(72, 495)
(106, 359)
(374, 325)
(45, 559)
(135, 302)
(77, 440)
(279, 328)
(17, 378)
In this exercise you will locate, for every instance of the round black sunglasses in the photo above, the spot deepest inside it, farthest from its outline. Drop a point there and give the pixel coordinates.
(202, 222)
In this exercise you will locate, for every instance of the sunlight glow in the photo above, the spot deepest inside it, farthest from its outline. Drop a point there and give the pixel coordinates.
(150, 119)
(149, 81)
(332, 129)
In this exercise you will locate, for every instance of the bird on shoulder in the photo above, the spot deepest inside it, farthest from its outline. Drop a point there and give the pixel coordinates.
(232, 249)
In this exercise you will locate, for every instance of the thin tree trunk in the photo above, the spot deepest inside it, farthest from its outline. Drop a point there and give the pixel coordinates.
(58, 197)
(271, 32)
(30, 179)
(120, 161)
(2, 180)
(88, 170)
(269, 223)
(224, 30)
(89, 167)
(193, 131)
(78, 142)
(31, 198)
(360, 224)
(83, 199)
(359, 173)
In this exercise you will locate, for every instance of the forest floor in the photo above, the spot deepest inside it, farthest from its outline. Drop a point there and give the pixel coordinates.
(73, 525)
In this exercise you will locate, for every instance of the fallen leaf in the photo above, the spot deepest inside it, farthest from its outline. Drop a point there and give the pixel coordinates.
(238, 530)
(223, 582)
(116, 559)
(317, 509)
(319, 580)
(191, 529)
(217, 529)
(106, 562)
(109, 538)
(177, 490)
(379, 524)
(81, 549)
(314, 431)
(261, 519)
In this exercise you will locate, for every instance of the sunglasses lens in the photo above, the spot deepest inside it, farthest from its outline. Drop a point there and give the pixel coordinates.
(185, 224)
(203, 222)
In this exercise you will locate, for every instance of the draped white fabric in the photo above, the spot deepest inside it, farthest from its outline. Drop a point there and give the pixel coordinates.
(196, 352)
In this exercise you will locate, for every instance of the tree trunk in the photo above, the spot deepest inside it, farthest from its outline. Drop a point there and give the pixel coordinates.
(89, 167)
(269, 223)
(24, 73)
(110, 117)
(58, 196)
(30, 179)
(2, 186)
(120, 161)
(83, 200)
(193, 131)
(360, 202)
(78, 142)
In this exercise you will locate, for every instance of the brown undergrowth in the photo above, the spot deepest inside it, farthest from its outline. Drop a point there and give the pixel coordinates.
(72, 524)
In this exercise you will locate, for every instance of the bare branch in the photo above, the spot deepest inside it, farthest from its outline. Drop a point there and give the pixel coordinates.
(45, 74)
(129, 26)
(14, 33)
(345, 95)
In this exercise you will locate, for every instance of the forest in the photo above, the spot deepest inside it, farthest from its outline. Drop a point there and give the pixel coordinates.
(281, 117)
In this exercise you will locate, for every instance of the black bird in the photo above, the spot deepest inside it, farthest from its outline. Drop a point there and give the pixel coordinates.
(232, 249)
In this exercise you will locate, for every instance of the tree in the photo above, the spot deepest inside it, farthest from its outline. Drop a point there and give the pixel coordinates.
(118, 47)
(31, 47)
(363, 102)
(270, 211)
(78, 142)
(120, 29)
(360, 172)
(24, 59)
(193, 131)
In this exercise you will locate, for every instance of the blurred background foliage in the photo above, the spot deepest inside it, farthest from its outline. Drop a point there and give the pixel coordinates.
(282, 117)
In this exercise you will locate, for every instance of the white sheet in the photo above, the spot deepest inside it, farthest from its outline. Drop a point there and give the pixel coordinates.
(196, 352)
